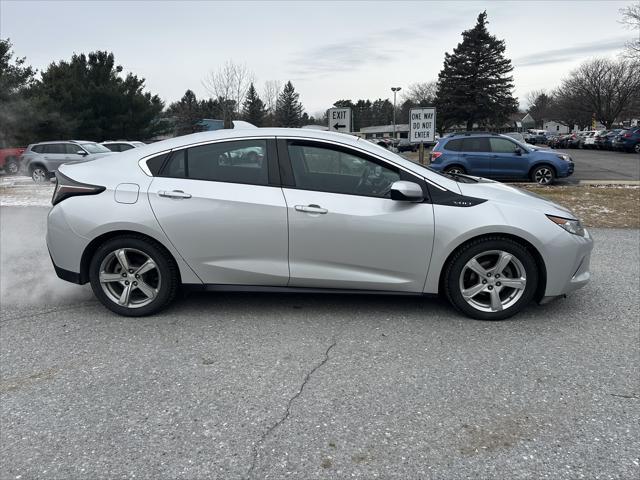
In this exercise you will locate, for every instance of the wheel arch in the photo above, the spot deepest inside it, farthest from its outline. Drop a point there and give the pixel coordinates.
(543, 163)
(542, 269)
(94, 244)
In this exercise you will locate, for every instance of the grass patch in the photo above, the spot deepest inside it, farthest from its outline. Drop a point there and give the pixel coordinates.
(604, 206)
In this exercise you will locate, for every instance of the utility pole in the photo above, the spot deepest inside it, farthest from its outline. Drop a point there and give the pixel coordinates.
(394, 90)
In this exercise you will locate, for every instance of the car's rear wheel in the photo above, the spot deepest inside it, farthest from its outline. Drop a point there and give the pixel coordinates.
(455, 169)
(491, 279)
(39, 174)
(637, 148)
(133, 276)
(543, 175)
(12, 167)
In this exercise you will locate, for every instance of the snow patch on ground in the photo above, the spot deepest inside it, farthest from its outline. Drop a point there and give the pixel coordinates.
(24, 192)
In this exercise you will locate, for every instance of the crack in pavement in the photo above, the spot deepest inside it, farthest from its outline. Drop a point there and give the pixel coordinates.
(287, 412)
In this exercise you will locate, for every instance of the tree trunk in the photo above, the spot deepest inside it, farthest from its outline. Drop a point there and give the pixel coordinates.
(470, 124)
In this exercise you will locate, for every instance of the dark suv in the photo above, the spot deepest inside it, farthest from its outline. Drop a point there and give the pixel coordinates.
(498, 156)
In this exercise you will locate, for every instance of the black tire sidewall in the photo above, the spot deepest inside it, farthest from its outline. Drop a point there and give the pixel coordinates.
(459, 260)
(551, 169)
(11, 161)
(164, 263)
(455, 167)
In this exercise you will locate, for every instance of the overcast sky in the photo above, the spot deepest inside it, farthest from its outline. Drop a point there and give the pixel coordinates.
(329, 50)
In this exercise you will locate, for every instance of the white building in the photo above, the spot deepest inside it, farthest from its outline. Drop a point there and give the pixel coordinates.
(555, 127)
(384, 131)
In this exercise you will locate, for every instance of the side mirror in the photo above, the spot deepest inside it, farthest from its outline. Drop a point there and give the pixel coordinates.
(406, 191)
(81, 152)
(518, 151)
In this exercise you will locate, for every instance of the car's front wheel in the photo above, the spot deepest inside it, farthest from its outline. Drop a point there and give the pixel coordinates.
(543, 175)
(133, 276)
(491, 278)
(39, 174)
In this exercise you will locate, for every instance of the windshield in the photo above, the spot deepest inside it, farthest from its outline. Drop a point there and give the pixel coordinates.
(94, 148)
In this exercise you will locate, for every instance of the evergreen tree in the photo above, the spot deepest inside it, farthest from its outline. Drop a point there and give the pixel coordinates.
(475, 86)
(288, 108)
(87, 97)
(253, 110)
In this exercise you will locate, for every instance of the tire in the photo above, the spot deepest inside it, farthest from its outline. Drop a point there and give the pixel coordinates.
(636, 148)
(39, 174)
(11, 166)
(455, 169)
(520, 270)
(543, 175)
(160, 279)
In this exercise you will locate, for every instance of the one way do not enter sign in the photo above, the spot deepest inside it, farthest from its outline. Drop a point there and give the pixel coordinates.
(422, 125)
(340, 119)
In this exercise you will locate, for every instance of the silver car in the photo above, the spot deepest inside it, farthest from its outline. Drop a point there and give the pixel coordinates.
(42, 160)
(295, 210)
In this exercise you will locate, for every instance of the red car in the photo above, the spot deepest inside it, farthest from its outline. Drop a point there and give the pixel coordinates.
(9, 160)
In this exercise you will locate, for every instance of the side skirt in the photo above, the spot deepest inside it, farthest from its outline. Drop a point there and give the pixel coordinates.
(266, 289)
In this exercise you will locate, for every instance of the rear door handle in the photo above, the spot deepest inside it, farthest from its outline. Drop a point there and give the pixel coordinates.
(311, 209)
(174, 194)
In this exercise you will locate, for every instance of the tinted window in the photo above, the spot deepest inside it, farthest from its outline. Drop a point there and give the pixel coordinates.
(95, 148)
(155, 163)
(454, 145)
(38, 148)
(114, 147)
(71, 149)
(476, 144)
(238, 162)
(332, 170)
(500, 145)
(54, 148)
(125, 146)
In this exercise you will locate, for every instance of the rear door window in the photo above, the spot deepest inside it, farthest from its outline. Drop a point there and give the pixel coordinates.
(54, 148)
(476, 144)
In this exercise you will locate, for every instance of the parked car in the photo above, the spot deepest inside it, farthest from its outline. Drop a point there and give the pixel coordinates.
(598, 138)
(404, 145)
(10, 160)
(627, 140)
(587, 139)
(607, 142)
(41, 160)
(496, 156)
(122, 145)
(324, 212)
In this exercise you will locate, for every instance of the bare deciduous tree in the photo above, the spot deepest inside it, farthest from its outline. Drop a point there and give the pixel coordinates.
(608, 89)
(421, 92)
(631, 20)
(540, 106)
(272, 89)
(229, 84)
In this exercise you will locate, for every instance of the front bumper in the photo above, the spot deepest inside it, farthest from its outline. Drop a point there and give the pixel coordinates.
(568, 265)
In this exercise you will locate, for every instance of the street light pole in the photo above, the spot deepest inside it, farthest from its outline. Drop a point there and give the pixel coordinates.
(394, 90)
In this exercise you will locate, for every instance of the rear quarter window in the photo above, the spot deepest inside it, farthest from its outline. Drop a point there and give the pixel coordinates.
(454, 145)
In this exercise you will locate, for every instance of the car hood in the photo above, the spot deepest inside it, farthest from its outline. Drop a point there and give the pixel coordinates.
(507, 194)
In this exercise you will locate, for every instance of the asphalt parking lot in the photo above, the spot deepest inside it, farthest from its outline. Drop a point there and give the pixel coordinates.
(307, 386)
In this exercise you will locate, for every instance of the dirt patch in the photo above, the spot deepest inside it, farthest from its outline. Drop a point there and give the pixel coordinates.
(603, 206)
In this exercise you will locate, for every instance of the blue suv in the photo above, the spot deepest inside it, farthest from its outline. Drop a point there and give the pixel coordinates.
(498, 156)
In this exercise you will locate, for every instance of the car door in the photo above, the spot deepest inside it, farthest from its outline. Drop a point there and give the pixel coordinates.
(72, 154)
(345, 232)
(55, 154)
(476, 155)
(228, 220)
(505, 161)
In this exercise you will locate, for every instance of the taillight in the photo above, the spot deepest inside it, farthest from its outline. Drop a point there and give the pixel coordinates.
(434, 156)
(627, 135)
(66, 187)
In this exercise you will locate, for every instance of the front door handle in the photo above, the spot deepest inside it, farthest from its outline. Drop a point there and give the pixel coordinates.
(174, 194)
(311, 209)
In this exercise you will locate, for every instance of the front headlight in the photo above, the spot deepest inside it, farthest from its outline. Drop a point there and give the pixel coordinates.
(572, 226)
(564, 157)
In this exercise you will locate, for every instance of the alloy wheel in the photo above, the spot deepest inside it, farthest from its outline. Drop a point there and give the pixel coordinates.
(493, 281)
(455, 170)
(130, 278)
(12, 167)
(39, 175)
(543, 176)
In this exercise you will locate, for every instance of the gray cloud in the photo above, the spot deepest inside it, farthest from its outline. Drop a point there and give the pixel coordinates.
(570, 53)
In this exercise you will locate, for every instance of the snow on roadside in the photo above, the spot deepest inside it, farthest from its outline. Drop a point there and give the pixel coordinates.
(24, 192)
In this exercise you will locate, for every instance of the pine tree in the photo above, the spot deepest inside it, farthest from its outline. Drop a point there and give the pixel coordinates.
(288, 107)
(253, 110)
(475, 86)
